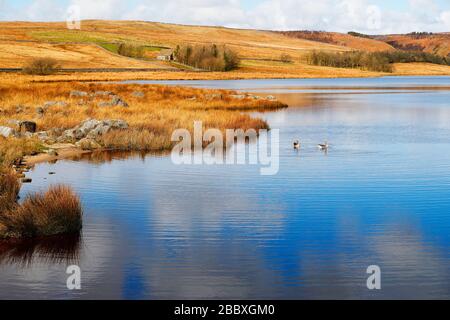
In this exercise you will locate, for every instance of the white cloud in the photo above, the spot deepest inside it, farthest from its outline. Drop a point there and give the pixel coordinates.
(369, 16)
(112, 9)
(445, 19)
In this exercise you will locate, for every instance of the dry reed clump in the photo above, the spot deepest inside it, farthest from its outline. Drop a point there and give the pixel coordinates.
(9, 190)
(58, 211)
(135, 139)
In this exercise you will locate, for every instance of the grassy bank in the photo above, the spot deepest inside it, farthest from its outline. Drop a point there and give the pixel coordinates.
(154, 112)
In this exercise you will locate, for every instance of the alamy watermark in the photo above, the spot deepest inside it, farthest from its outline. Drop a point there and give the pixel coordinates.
(237, 147)
(374, 280)
(73, 282)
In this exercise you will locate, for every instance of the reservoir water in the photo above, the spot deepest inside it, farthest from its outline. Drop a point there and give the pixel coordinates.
(156, 230)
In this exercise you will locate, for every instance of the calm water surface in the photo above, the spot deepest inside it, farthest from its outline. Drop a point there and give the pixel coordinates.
(154, 230)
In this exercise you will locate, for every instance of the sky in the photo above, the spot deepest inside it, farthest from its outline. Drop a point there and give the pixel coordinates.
(367, 16)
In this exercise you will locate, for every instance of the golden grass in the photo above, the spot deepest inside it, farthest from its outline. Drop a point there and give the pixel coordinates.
(135, 139)
(58, 211)
(412, 69)
(77, 49)
(358, 43)
(9, 189)
(152, 118)
(17, 54)
(12, 149)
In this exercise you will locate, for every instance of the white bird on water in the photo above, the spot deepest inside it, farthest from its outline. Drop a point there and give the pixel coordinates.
(323, 146)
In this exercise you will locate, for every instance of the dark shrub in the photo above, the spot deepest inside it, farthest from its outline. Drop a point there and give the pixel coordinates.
(41, 66)
(208, 57)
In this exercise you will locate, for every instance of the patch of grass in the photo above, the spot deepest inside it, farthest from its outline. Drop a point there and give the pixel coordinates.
(107, 41)
(9, 189)
(58, 211)
(12, 149)
(114, 47)
(136, 139)
(75, 36)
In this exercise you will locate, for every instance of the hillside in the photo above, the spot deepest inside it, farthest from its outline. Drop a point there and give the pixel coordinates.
(433, 43)
(16, 54)
(95, 46)
(250, 44)
(340, 39)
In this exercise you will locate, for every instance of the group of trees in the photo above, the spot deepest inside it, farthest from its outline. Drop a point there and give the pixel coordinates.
(354, 59)
(359, 35)
(415, 56)
(319, 36)
(373, 61)
(405, 47)
(208, 57)
(131, 50)
(419, 35)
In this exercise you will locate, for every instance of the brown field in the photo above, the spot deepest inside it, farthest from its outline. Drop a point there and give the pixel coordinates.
(412, 69)
(17, 54)
(341, 39)
(358, 43)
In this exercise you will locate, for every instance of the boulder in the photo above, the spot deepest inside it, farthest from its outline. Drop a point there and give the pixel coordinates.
(75, 93)
(88, 144)
(102, 93)
(117, 101)
(104, 104)
(15, 123)
(213, 96)
(49, 104)
(27, 126)
(42, 135)
(105, 126)
(52, 152)
(7, 132)
(91, 129)
(252, 96)
(238, 96)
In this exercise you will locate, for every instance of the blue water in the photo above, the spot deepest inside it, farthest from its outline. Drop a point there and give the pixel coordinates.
(379, 196)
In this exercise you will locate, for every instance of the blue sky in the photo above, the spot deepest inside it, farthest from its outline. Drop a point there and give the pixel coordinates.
(370, 16)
